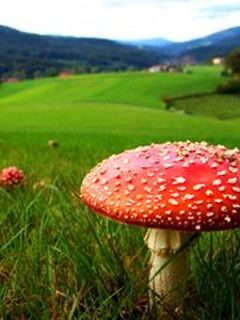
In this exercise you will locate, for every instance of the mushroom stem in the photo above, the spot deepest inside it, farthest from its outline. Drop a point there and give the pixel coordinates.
(168, 271)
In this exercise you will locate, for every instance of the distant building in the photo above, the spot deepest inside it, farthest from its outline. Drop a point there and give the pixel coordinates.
(65, 74)
(165, 68)
(153, 69)
(217, 61)
(11, 80)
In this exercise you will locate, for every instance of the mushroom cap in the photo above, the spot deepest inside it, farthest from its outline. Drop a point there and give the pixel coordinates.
(180, 186)
(11, 176)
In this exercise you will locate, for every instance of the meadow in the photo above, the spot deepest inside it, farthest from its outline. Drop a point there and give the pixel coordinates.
(60, 261)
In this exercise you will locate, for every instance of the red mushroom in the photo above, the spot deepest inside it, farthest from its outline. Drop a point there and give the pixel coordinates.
(11, 177)
(174, 189)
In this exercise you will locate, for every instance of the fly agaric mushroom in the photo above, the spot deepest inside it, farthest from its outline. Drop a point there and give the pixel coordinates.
(174, 189)
(11, 177)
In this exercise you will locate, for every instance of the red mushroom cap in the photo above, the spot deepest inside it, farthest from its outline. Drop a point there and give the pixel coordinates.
(182, 185)
(10, 177)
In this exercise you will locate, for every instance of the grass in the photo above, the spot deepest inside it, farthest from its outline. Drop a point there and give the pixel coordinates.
(223, 107)
(58, 260)
(141, 89)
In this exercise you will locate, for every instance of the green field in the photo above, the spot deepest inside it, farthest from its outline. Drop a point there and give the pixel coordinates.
(59, 261)
(223, 107)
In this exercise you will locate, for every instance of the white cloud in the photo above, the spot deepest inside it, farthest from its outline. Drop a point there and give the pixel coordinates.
(121, 19)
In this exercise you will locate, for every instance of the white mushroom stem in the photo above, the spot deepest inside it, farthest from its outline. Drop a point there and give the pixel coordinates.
(168, 271)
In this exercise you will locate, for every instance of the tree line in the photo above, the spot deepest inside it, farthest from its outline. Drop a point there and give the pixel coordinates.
(25, 55)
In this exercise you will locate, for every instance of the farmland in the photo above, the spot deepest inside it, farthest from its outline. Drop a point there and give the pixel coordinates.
(59, 261)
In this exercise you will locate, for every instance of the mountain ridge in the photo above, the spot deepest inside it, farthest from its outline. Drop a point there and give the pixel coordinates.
(201, 49)
(29, 55)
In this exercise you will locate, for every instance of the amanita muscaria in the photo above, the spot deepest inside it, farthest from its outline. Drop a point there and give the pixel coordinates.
(174, 189)
(11, 177)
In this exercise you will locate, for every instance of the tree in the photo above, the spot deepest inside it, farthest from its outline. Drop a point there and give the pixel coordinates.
(232, 62)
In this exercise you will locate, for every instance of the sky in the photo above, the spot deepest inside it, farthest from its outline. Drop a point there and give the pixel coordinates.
(176, 20)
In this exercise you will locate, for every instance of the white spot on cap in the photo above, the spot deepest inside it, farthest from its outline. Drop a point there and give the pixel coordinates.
(214, 165)
(236, 205)
(233, 170)
(227, 219)
(217, 182)
(236, 189)
(166, 158)
(103, 171)
(182, 188)
(179, 180)
(131, 187)
(222, 188)
(232, 180)
(198, 202)
(198, 186)
(230, 196)
(210, 214)
(150, 174)
(188, 196)
(103, 181)
(148, 189)
(162, 188)
(168, 165)
(218, 200)
(174, 202)
(209, 193)
(222, 173)
(175, 194)
(224, 209)
(209, 205)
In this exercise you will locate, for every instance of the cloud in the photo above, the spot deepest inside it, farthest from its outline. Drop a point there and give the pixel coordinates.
(140, 2)
(223, 10)
(122, 19)
(220, 9)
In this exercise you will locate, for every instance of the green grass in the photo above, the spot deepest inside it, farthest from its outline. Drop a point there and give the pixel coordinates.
(58, 260)
(223, 107)
(136, 88)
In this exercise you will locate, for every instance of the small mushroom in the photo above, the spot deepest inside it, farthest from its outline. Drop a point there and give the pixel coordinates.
(176, 190)
(39, 185)
(11, 177)
(53, 143)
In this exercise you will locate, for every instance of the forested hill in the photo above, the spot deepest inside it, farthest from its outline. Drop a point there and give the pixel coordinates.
(26, 55)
